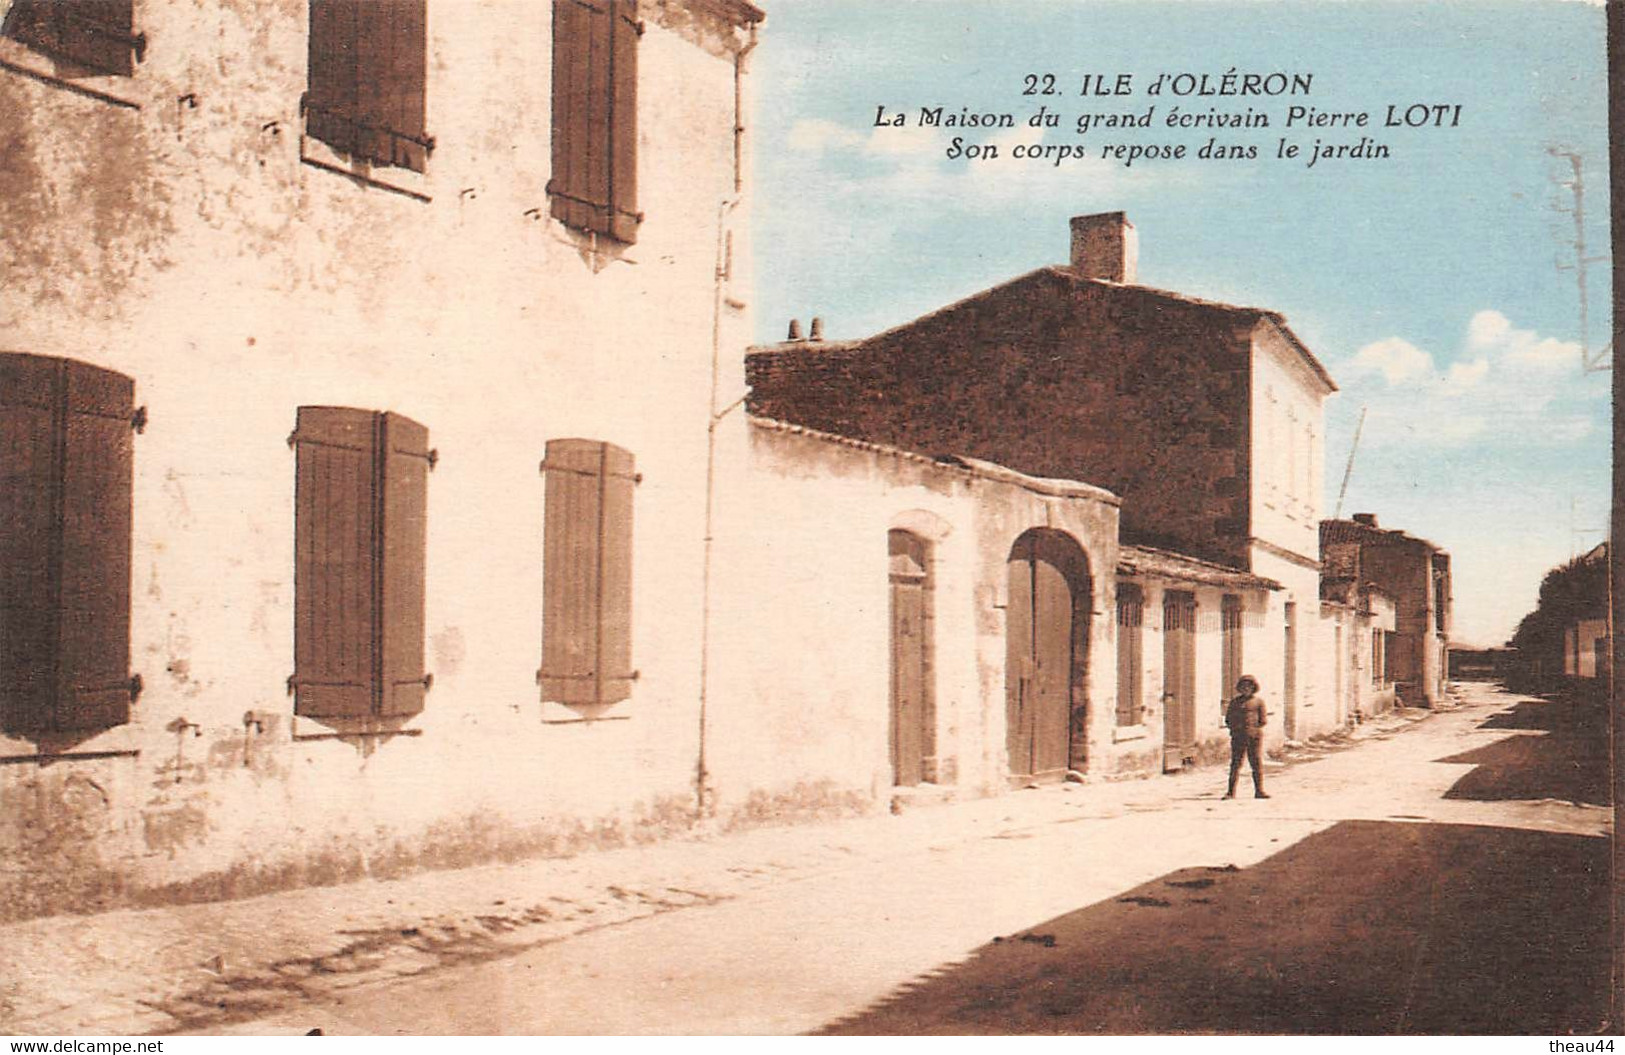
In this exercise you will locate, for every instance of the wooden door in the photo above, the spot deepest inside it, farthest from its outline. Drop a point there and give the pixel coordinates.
(1178, 675)
(1041, 666)
(1289, 672)
(909, 733)
(1230, 641)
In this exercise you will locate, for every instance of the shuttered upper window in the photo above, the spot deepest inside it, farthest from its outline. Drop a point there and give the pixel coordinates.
(1130, 643)
(65, 510)
(587, 573)
(595, 116)
(367, 62)
(95, 34)
(360, 501)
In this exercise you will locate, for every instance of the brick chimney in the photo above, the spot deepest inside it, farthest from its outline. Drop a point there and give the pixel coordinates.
(1368, 519)
(1105, 246)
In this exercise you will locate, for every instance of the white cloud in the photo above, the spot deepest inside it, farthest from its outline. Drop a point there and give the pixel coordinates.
(1487, 328)
(1493, 334)
(1507, 385)
(906, 142)
(818, 137)
(1466, 374)
(1396, 359)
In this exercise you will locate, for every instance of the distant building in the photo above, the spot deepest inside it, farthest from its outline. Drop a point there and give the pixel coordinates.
(1415, 574)
(1362, 618)
(1468, 663)
(1587, 651)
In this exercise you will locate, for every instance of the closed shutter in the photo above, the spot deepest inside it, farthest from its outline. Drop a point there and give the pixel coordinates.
(97, 34)
(1230, 635)
(1130, 621)
(335, 528)
(587, 591)
(30, 396)
(97, 471)
(66, 464)
(367, 66)
(361, 502)
(404, 535)
(594, 131)
(331, 98)
(1179, 666)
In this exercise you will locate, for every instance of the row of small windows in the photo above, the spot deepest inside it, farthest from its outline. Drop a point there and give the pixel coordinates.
(360, 531)
(366, 91)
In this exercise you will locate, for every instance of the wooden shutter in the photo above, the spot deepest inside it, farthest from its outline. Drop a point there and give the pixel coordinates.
(97, 474)
(1230, 639)
(1179, 666)
(360, 528)
(1130, 643)
(97, 34)
(404, 535)
(330, 98)
(587, 591)
(66, 465)
(367, 66)
(623, 121)
(595, 105)
(30, 397)
(335, 537)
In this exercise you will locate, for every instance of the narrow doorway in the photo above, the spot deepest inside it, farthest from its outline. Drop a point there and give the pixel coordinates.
(1178, 677)
(1289, 672)
(910, 734)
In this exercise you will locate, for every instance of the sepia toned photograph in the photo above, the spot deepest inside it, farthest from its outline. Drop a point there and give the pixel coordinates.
(780, 517)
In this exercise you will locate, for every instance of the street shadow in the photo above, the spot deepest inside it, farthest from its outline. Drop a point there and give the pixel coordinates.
(1534, 714)
(1369, 927)
(1567, 761)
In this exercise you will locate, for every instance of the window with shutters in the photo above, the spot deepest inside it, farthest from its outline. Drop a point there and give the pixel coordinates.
(360, 500)
(1130, 624)
(367, 64)
(587, 573)
(66, 463)
(97, 35)
(595, 117)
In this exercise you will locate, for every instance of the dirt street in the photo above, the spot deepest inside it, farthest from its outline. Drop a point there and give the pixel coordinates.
(1445, 876)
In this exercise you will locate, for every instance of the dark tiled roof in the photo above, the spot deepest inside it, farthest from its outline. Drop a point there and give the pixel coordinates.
(1144, 560)
(1071, 277)
(1333, 531)
(949, 463)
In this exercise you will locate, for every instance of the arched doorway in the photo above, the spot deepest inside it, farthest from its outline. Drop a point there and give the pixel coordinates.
(911, 735)
(1046, 656)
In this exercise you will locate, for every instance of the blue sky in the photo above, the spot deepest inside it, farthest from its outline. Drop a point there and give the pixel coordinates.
(1429, 283)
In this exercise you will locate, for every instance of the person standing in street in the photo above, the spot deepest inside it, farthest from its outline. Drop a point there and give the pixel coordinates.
(1245, 716)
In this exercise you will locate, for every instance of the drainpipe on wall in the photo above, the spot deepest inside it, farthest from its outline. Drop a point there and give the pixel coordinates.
(720, 277)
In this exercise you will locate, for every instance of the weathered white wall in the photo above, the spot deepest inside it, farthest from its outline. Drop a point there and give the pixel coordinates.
(1287, 446)
(190, 248)
(1288, 452)
(1140, 748)
(808, 616)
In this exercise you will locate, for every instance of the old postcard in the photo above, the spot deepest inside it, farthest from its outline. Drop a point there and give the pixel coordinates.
(804, 516)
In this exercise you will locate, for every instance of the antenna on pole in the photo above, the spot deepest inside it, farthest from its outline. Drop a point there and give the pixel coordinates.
(1592, 361)
(1342, 492)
